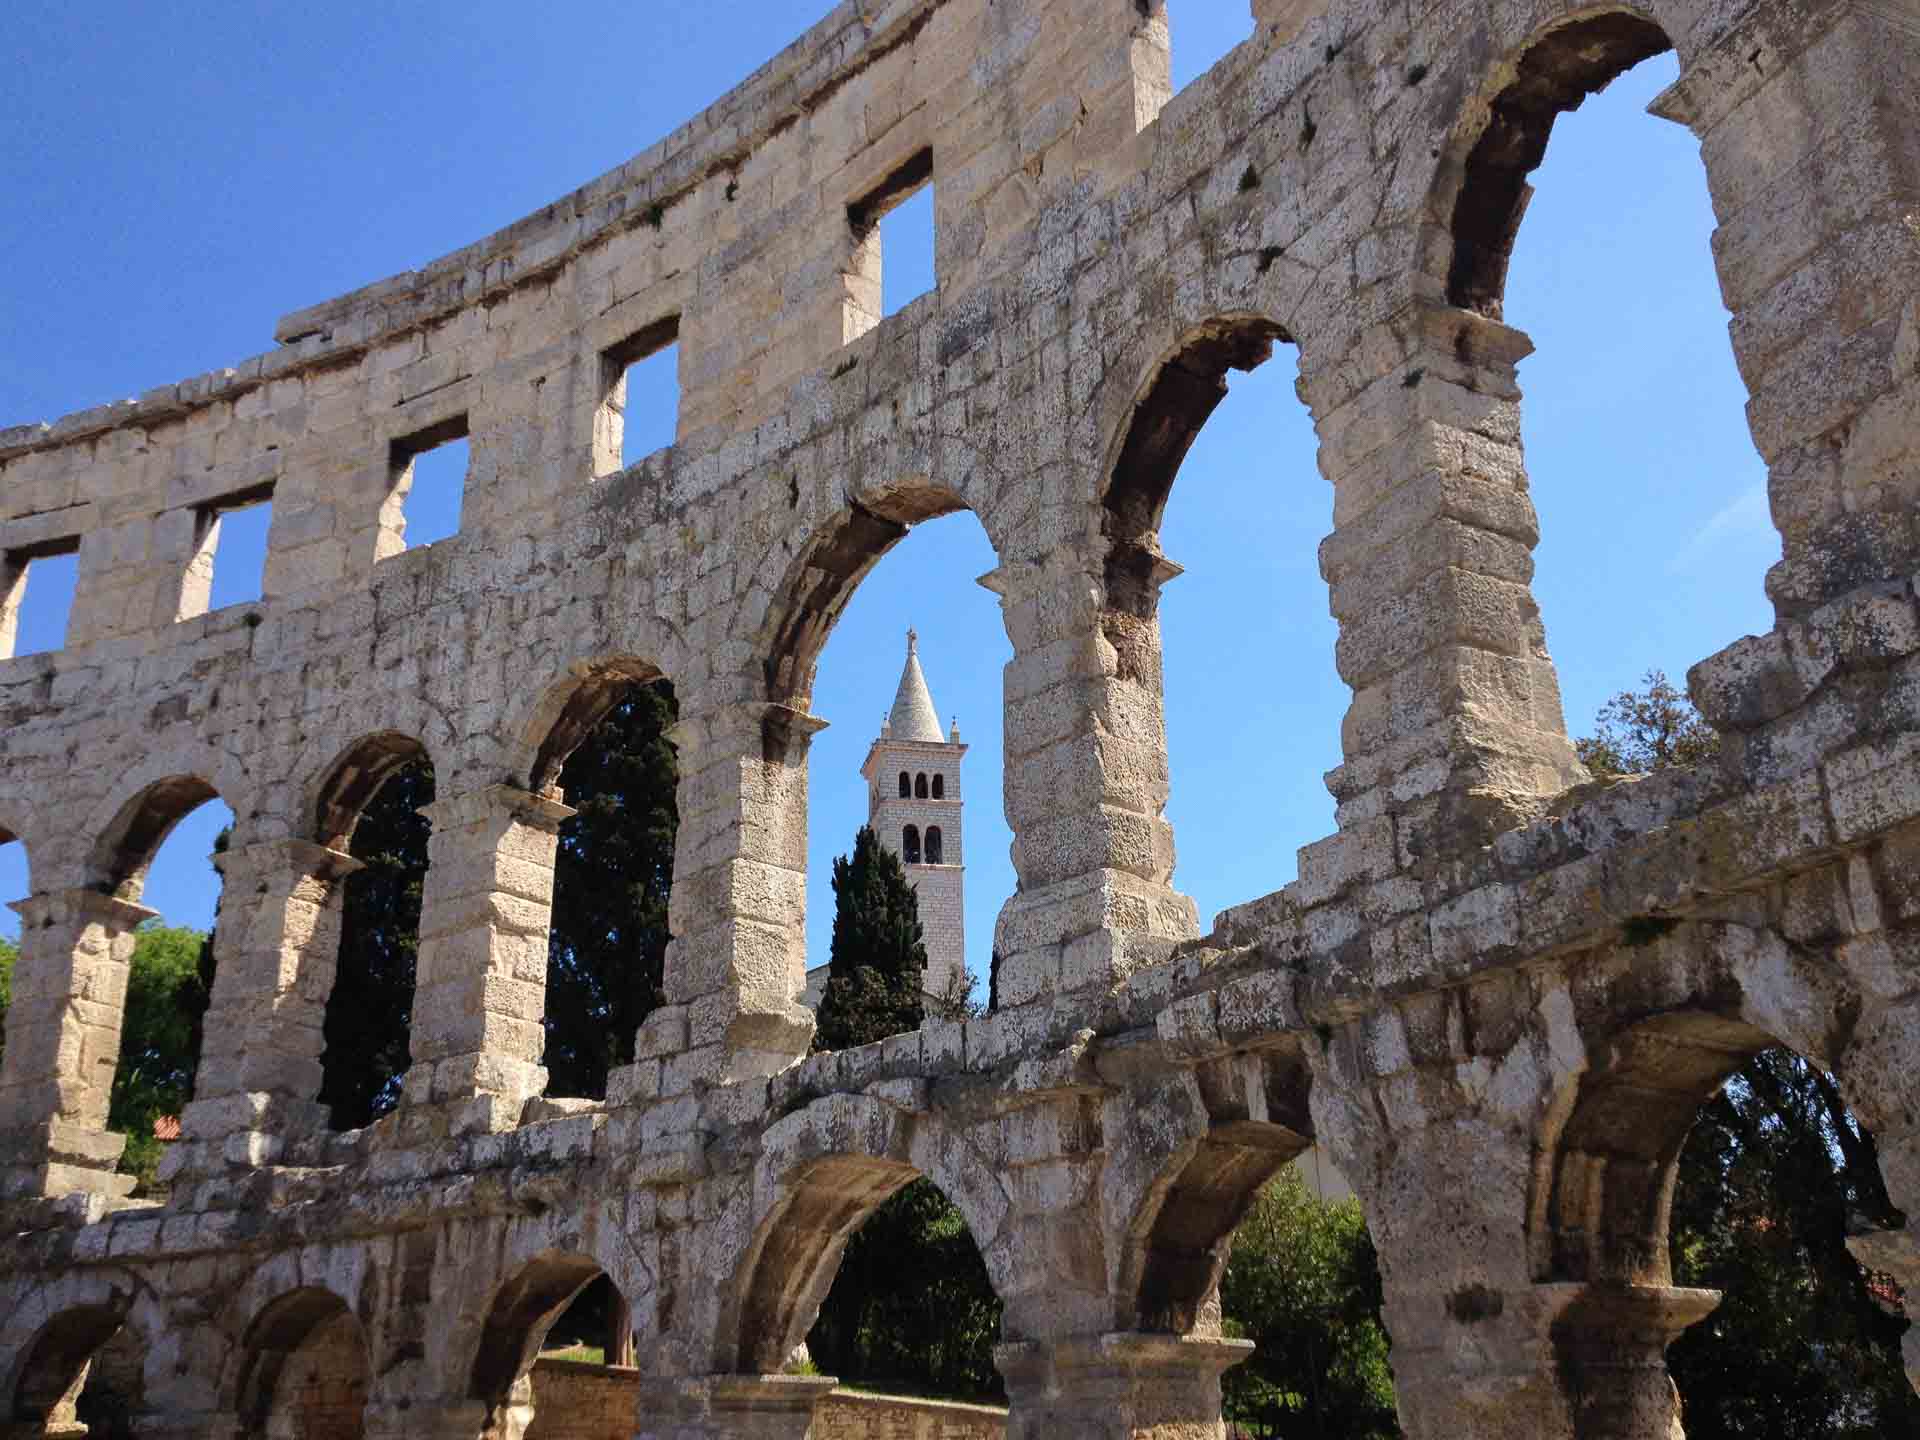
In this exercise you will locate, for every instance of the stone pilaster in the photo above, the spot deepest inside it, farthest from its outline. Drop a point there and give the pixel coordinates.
(480, 996)
(1086, 787)
(1456, 723)
(730, 1407)
(1809, 124)
(275, 953)
(737, 962)
(1123, 1386)
(63, 1042)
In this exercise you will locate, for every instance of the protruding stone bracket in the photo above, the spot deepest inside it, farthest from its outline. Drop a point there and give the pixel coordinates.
(1612, 1342)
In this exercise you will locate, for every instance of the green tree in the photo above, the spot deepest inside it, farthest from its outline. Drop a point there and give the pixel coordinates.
(1773, 1176)
(371, 1005)
(879, 957)
(9, 955)
(169, 980)
(1303, 1283)
(613, 873)
(1639, 731)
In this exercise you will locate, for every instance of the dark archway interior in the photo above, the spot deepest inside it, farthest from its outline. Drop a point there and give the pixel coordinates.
(801, 1251)
(585, 706)
(276, 1338)
(522, 1314)
(1555, 75)
(357, 779)
(57, 1364)
(1613, 1176)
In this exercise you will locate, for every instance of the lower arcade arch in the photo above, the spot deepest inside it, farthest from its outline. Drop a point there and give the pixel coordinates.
(305, 1370)
(544, 1294)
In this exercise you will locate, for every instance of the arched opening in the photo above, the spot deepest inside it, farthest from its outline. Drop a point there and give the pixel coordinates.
(85, 1369)
(610, 757)
(370, 807)
(866, 601)
(1240, 803)
(935, 847)
(939, 787)
(910, 844)
(1246, 1234)
(305, 1371)
(163, 852)
(1700, 1154)
(1612, 277)
(15, 885)
(873, 1269)
(556, 1352)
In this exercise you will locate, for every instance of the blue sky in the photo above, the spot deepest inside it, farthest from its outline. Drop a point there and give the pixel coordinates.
(178, 177)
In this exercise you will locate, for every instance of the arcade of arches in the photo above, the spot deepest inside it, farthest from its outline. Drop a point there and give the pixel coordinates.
(1488, 995)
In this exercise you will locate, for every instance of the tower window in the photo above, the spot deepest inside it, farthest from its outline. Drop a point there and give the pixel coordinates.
(939, 787)
(906, 786)
(910, 844)
(920, 787)
(933, 845)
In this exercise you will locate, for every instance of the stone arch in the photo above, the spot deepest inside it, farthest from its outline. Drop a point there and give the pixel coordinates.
(823, 1170)
(920, 786)
(124, 849)
(53, 1332)
(1218, 1136)
(910, 844)
(1666, 1024)
(353, 779)
(306, 1327)
(567, 713)
(1480, 192)
(935, 846)
(939, 788)
(1185, 386)
(906, 786)
(820, 580)
(517, 1322)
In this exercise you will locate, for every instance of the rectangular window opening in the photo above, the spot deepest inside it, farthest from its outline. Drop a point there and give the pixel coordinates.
(230, 564)
(429, 483)
(893, 261)
(1203, 32)
(36, 597)
(640, 380)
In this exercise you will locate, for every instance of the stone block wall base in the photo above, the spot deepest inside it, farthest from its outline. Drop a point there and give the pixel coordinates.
(730, 1407)
(1122, 1386)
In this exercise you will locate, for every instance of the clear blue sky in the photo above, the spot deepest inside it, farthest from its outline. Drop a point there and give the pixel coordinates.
(178, 177)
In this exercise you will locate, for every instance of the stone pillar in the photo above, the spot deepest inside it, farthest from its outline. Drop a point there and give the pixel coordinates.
(275, 953)
(729, 1407)
(737, 961)
(1809, 124)
(1117, 1387)
(1086, 786)
(480, 994)
(1455, 727)
(63, 1042)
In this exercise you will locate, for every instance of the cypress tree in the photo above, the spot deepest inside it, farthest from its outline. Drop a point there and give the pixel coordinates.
(879, 958)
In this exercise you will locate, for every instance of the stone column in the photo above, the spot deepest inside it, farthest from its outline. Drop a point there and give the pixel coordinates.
(1086, 786)
(480, 994)
(1117, 1387)
(729, 1407)
(1809, 124)
(63, 1042)
(1455, 725)
(275, 952)
(737, 962)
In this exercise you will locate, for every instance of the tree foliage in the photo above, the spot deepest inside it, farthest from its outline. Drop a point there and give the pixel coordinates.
(879, 959)
(370, 1008)
(1639, 731)
(1806, 1343)
(613, 874)
(9, 955)
(169, 981)
(1303, 1283)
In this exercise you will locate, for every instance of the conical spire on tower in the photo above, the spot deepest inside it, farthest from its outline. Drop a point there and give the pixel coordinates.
(913, 716)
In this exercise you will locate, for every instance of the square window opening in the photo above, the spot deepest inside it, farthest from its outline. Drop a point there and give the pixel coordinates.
(36, 597)
(893, 231)
(237, 540)
(640, 411)
(429, 484)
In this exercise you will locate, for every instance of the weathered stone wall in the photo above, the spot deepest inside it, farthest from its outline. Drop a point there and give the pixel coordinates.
(1495, 996)
(574, 1401)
